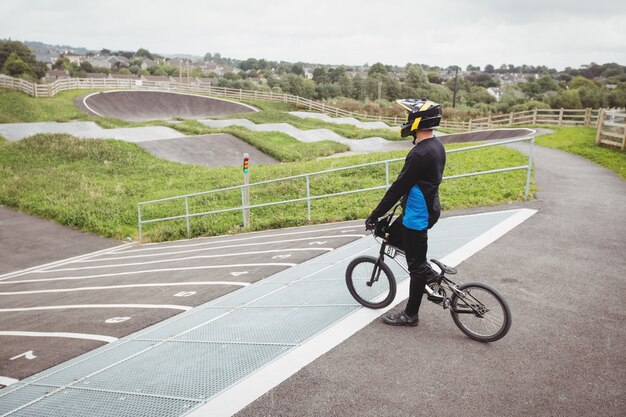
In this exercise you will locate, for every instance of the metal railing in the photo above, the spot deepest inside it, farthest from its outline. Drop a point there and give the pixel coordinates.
(309, 198)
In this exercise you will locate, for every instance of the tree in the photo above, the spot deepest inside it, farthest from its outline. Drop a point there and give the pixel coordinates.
(15, 66)
(141, 52)
(320, 76)
(489, 69)
(377, 68)
(416, 78)
(297, 69)
(35, 69)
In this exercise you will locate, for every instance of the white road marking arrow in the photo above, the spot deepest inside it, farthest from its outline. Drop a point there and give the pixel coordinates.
(281, 256)
(236, 274)
(28, 355)
(318, 243)
(115, 320)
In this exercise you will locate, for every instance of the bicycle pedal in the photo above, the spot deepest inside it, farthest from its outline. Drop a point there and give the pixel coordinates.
(436, 298)
(446, 304)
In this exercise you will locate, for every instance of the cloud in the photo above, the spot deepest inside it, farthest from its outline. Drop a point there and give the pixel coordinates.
(550, 32)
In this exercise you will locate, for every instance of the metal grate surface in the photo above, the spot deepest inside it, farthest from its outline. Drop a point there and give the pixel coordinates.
(80, 367)
(189, 320)
(18, 396)
(281, 325)
(308, 293)
(185, 370)
(86, 403)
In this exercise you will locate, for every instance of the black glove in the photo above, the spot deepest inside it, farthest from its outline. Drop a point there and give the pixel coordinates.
(370, 223)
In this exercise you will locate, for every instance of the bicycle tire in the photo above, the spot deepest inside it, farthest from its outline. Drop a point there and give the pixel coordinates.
(496, 320)
(381, 293)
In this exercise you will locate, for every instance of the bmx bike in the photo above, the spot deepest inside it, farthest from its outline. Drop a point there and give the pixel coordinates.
(477, 309)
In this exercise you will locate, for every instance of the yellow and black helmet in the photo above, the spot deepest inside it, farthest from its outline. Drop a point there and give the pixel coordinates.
(423, 115)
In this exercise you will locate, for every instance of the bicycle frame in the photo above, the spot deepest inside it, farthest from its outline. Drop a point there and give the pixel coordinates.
(443, 281)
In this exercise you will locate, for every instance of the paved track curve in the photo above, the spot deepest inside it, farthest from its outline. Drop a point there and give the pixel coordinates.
(138, 106)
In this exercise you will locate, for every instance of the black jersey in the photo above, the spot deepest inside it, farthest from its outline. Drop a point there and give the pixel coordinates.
(418, 186)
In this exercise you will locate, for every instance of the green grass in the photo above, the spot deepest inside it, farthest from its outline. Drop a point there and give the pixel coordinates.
(278, 145)
(345, 130)
(17, 107)
(95, 186)
(581, 141)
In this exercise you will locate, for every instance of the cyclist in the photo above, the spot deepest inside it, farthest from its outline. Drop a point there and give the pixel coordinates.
(418, 187)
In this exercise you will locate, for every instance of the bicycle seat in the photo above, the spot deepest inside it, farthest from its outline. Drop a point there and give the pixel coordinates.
(444, 268)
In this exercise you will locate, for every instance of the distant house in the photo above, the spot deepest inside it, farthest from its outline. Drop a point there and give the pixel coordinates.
(100, 62)
(118, 62)
(49, 57)
(53, 75)
(495, 92)
(72, 57)
(177, 63)
(147, 63)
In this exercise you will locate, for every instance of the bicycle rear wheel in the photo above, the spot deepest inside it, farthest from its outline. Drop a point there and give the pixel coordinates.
(371, 282)
(480, 312)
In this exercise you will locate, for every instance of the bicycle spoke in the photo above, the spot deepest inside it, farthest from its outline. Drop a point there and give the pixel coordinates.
(479, 313)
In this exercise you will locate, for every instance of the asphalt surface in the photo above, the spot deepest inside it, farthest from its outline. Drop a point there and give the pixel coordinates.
(140, 106)
(27, 241)
(562, 272)
(62, 310)
(208, 150)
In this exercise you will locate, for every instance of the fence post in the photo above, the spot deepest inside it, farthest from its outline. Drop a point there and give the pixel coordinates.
(511, 119)
(600, 125)
(587, 116)
(530, 167)
(308, 197)
(561, 117)
(187, 215)
(624, 138)
(386, 175)
(535, 116)
(470, 125)
(139, 220)
(489, 121)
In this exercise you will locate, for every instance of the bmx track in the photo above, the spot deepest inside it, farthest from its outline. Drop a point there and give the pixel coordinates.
(138, 106)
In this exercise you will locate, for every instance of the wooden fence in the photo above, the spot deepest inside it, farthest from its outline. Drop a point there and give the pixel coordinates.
(612, 128)
(558, 117)
(66, 84)
(552, 117)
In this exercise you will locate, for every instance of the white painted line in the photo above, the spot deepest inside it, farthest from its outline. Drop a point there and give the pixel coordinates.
(215, 241)
(249, 389)
(26, 271)
(180, 259)
(87, 105)
(6, 381)
(82, 306)
(147, 271)
(114, 287)
(219, 247)
(85, 336)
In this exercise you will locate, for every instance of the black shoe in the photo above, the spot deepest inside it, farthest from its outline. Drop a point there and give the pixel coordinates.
(401, 319)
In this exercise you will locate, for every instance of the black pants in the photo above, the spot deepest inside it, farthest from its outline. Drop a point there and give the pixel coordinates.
(415, 248)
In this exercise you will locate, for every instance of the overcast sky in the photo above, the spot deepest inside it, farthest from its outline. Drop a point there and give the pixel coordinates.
(556, 33)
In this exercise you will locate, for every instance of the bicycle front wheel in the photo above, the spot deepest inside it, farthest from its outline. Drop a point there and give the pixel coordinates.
(371, 282)
(480, 312)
